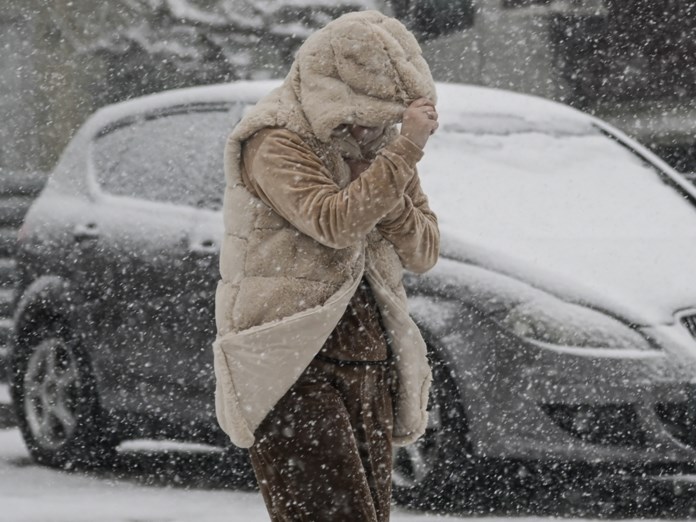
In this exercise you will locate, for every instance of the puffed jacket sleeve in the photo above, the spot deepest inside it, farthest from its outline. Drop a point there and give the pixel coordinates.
(411, 226)
(289, 177)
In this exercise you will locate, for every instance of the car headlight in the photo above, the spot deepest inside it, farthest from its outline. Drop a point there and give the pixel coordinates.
(552, 321)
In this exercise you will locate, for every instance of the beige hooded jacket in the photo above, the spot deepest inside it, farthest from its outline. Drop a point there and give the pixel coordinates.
(299, 235)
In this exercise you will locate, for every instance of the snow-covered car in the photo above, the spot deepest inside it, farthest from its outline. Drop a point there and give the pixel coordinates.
(560, 317)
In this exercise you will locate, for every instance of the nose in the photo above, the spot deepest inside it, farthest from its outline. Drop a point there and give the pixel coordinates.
(359, 132)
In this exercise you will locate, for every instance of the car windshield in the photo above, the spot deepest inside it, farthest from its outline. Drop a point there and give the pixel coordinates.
(502, 182)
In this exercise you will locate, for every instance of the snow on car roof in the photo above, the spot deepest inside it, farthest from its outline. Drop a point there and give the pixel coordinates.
(209, 94)
(453, 101)
(457, 99)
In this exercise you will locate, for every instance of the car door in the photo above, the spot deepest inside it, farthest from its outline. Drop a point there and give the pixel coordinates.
(168, 164)
(192, 380)
(148, 227)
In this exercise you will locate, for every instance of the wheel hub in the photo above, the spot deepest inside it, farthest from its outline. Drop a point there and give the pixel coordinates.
(50, 393)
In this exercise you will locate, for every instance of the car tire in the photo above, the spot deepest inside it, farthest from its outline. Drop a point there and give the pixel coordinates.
(428, 473)
(56, 403)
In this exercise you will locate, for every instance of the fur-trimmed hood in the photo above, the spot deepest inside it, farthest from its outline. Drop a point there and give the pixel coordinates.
(363, 68)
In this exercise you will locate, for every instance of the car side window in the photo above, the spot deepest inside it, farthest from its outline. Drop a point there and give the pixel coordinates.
(175, 158)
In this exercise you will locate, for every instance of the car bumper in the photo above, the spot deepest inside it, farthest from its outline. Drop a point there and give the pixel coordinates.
(603, 406)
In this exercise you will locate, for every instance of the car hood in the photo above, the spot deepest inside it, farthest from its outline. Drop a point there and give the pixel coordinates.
(639, 281)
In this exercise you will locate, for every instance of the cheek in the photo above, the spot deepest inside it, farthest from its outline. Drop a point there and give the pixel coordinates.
(372, 135)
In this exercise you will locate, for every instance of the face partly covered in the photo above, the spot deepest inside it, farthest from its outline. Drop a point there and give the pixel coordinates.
(363, 135)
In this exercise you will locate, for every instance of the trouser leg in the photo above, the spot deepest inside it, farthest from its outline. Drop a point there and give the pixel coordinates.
(369, 404)
(308, 456)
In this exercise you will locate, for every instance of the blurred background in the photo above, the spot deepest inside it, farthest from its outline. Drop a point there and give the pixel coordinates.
(631, 62)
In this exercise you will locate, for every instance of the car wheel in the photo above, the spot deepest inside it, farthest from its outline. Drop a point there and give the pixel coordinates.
(425, 473)
(56, 403)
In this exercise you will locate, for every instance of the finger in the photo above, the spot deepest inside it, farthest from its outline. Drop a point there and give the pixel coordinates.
(420, 102)
(431, 114)
(427, 108)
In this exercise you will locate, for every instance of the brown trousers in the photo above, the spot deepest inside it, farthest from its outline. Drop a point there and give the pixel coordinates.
(324, 452)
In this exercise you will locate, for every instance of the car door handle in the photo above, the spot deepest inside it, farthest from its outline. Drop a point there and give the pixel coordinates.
(205, 247)
(83, 232)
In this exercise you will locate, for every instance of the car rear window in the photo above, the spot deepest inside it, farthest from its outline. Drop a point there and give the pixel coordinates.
(175, 157)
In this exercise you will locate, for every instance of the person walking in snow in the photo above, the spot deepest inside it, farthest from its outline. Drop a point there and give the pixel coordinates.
(319, 367)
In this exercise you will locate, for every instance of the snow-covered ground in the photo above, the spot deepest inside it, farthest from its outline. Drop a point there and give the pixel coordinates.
(33, 493)
(153, 483)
